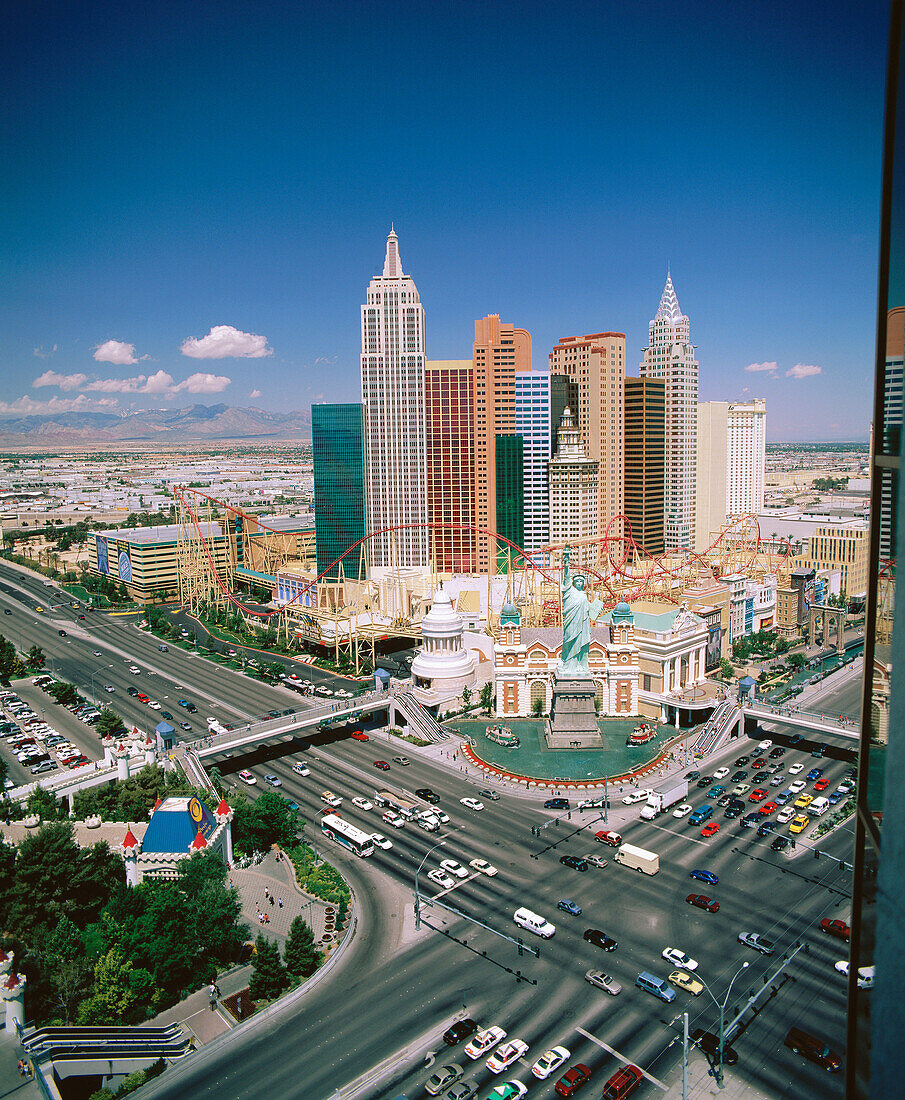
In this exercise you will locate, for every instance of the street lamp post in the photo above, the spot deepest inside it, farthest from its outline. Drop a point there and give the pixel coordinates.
(718, 1068)
(439, 844)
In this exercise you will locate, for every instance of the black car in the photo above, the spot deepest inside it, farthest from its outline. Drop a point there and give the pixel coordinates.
(62, 633)
(133, 691)
(760, 776)
(705, 781)
(428, 795)
(742, 761)
(693, 775)
(556, 804)
(796, 739)
(191, 708)
(710, 1045)
(780, 843)
(766, 829)
(750, 820)
(460, 1030)
(289, 713)
(273, 714)
(574, 861)
(739, 776)
(601, 939)
(777, 752)
(166, 714)
(724, 800)
(6, 611)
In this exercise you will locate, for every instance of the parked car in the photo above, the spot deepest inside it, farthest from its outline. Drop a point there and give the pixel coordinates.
(599, 980)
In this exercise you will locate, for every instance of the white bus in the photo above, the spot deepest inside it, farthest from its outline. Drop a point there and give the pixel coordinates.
(357, 841)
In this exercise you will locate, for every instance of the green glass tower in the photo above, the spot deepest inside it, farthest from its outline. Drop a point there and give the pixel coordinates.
(337, 436)
(510, 493)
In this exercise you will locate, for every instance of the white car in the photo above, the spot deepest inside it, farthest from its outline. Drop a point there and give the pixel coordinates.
(785, 815)
(483, 866)
(503, 1057)
(109, 687)
(865, 974)
(453, 868)
(721, 773)
(595, 861)
(798, 786)
(634, 796)
(508, 1090)
(549, 1062)
(796, 768)
(153, 704)
(392, 818)
(683, 811)
(764, 745)
(134, 670)
(472, 803)
(248, 778)
(362, 804)
(484, 1040)
(301, 768)
(679, 958)
(381, 841)
(441, 878)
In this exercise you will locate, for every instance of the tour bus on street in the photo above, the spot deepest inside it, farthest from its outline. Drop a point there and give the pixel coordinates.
(357, 841)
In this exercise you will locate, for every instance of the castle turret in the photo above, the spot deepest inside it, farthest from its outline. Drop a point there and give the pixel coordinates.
(130, 849)
(224, 815)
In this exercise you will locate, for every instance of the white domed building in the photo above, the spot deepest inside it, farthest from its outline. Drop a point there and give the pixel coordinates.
(444, 666)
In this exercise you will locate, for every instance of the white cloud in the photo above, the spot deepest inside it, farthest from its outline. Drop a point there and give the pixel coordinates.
(803, 370)
(115, 351)
(45, 353)
(254, 394)
(63, 381)
(202, 383)
(223, 342)
(27, 405)
(752, 367)
(159, 382)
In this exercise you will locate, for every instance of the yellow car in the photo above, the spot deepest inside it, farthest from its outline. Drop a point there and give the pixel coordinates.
(803, 801)
(686, 982)
(800, 823)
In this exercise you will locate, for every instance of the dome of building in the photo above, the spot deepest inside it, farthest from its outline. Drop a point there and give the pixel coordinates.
(622, 612)
(443, 663)
(509, 614)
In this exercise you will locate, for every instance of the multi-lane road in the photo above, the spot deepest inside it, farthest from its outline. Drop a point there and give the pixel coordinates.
(369, 1028)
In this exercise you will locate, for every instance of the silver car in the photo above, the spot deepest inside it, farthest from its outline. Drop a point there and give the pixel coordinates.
(443, 1078)
(603, 981)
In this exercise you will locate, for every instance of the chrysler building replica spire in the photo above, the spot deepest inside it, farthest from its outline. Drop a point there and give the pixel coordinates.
(392, 392)
(670, 356)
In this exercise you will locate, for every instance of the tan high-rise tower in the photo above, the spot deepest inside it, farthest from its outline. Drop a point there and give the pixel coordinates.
(499, 351)
(596, 366)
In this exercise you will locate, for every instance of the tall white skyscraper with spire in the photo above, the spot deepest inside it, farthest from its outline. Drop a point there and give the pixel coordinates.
(393, 395)
(670, 356)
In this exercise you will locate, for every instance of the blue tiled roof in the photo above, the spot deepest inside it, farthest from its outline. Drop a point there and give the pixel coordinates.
(175, 824)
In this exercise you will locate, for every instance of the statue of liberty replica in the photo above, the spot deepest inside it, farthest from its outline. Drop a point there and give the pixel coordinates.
(573, 716)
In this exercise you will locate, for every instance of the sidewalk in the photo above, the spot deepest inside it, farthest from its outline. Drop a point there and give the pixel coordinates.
(12, 1083)
(701, 1085)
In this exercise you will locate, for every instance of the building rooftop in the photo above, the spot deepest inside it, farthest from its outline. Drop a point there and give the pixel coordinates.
(164, 533)
(174, 825)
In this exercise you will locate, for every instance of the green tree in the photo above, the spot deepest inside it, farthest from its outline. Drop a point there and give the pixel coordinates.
(466, 696)
(537, 708)
(10, 665)
(726, 668)
(782, 645)
(114, 1000)
(109, 724)
(35, 657)
(64, 694)
(487, 697)
(66, 965)
(269, 977)
(43, 803)
(301, 956)
(796, 660)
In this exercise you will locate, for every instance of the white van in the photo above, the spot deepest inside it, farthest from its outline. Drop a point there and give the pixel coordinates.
(534, 923)
(819, 806)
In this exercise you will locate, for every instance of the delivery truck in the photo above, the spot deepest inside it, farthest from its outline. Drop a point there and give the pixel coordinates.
(638, 858)
(660, 801)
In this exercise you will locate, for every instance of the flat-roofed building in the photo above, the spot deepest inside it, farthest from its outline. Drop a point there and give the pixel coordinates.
(144, 558)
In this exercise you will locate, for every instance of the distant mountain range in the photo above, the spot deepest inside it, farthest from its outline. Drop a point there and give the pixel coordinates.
(195, 423)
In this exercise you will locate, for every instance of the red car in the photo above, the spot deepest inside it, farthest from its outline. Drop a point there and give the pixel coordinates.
(382, 764)
(757, 795)
(613, 839)
(572, 1080)
(623, 1083)
(821, 784)
(758, 763)
(768, 808)
(837, 928)
(143, 698)
(701, 901)
(357, 735)
(710, 828)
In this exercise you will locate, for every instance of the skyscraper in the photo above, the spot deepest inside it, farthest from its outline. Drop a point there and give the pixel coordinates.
(573, 493)
(337, 446)
(532, 422)
(670, 356)
(746, 457)
(392, 392)
(645, 404)
(595, 365)
(499, 351)
(450, 460)
(712, 467)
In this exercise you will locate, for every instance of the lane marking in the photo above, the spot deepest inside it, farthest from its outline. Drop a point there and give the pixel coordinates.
(621, 1057)
(684, 836)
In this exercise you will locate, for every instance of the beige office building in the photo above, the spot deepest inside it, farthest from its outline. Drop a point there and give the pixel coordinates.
(595, 364)
(573, 493)
(710, 482)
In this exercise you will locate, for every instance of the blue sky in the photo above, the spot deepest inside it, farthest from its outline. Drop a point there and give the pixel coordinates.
(196, 194)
